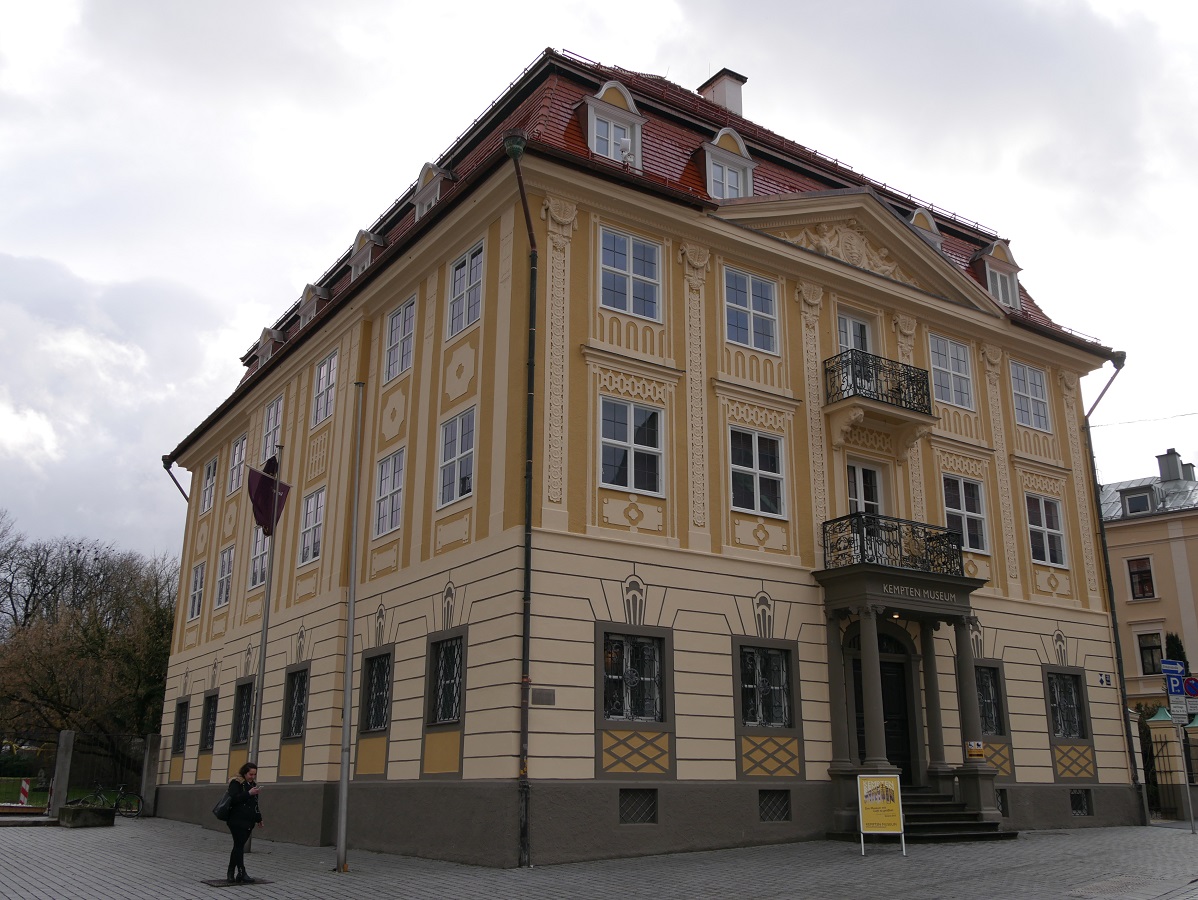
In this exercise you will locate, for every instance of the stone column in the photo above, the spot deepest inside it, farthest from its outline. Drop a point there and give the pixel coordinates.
(975, 776)
(871, 694)
(940, 773)
(838, 716)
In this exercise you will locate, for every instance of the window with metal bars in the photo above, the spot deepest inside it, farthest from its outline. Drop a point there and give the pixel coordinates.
(243, 712)
(989, 699)
(180, 742)
(1079, 802)
(446, 701)
(295, 706)
(1065, 705)
(632, 678)
(376, 689)
(208, 726)
(638, 806)
(774, 806)
(765, 687)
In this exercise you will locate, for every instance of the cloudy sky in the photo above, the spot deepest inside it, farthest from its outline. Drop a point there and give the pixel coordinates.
(173, 173)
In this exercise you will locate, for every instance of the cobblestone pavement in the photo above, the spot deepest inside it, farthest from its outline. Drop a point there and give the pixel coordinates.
(163, 859)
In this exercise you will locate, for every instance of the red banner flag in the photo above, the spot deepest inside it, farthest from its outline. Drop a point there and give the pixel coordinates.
(262, 495)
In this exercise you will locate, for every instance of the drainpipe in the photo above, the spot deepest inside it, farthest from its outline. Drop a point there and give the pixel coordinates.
(1118, 359)
(166, 464)
(514, 142)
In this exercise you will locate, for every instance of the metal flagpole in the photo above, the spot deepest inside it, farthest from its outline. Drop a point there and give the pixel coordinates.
(270, 568)
(347, 689)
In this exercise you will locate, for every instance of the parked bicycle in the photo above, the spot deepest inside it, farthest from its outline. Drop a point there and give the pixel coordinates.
(126, 803)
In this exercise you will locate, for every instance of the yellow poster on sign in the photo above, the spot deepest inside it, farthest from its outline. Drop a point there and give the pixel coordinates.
(880, 804)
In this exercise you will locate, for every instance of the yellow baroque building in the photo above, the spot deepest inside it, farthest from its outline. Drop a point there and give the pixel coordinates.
(698, 475)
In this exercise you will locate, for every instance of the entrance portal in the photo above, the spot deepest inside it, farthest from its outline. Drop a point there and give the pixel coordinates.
(896, 713)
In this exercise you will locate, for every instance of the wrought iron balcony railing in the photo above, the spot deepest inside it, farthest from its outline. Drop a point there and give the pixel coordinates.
(897, 543)
(856, 373)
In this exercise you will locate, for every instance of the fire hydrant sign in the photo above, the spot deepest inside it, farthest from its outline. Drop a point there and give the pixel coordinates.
(880, 805)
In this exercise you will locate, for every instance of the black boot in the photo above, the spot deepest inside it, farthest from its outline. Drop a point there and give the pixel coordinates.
(243, 877)
(229, 875)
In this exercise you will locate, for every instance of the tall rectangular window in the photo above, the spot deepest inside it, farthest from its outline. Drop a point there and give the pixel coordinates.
(376, 690)
(465, 291)
(243, 712)
(751, 310)
(726, 181)
(631, 446)
(196, 596)
(224, 577)
(208, 491)
(1140, 572)
(963, 511)
(258, 558)
(236, 463)
(765, 687)
(272, 420)
(179, 743)
(609, 139)
(756, 472)
(208, 725)
(389, 496)
(312, 526)
(401, 326)
(457, 457)
(1044, 529)
(446, 681)
(631, 280)
(324, 388)
(295, 703)
(1031, 396)
(1150, 653)
(632, 678)
(952, 381)
(990, 707)
(865, 489)
(1066, 706)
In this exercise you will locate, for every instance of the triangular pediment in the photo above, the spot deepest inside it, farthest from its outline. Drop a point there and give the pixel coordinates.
(856, 228)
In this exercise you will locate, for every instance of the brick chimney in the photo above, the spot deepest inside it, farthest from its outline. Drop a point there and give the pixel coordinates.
(724, 88)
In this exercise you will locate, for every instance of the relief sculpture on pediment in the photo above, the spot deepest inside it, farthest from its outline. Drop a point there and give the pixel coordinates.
(847, 241)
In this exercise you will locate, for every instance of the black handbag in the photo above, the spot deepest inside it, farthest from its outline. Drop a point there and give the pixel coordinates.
(223, 805)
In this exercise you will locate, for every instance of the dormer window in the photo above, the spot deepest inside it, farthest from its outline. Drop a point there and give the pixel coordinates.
(925, 222)
(364, 252)
(1137, 502)
(428, 190)
(729, 169)
(1002, 274)
(267, 342)
(613, 125)
(310, 303)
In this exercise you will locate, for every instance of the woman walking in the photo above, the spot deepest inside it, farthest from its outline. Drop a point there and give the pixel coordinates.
(243, 815)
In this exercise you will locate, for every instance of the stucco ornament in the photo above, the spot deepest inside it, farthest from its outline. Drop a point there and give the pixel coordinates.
(847, 241)
(460, 371)
(393, 415)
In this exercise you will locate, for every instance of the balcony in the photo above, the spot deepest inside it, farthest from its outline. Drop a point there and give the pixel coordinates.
(894, 543)
(855, 373)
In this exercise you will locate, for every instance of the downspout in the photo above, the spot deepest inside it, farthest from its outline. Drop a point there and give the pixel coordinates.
(1118, 359)
(514, 142)
(166, 464)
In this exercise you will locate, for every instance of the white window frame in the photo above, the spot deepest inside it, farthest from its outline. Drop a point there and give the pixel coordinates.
(389, 493)
(856, 483)
(465, 302)
(633, 448)
(258, 558)
(1034, 396)
(1146, 496)
(324, 388)
(720, 162)
(312, 527)
(851, 331)
(952, 371)
(603, 141)
(632, 280)
(237, 463)
(272, 425)
(195, 601)
(401, 330)
(963, 513)
(224, 577)
(756, 474)
(208, 491)
(457, 458)
(1003, 285)
(753, 316)
(1045, 531)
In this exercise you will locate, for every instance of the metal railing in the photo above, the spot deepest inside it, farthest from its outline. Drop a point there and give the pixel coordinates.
(855, 373)
(897, 543)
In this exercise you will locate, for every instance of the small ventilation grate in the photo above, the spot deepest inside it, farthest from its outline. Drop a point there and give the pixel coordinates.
(1079, 801)
(638, 806)
(774, 805)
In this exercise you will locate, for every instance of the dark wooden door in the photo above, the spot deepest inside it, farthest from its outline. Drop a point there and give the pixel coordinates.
(895, 712)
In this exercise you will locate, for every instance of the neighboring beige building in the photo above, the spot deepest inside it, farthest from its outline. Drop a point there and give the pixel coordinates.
(1152, 541)
(765, 389)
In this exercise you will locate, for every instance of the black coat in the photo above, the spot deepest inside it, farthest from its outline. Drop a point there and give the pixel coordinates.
(243, 810)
